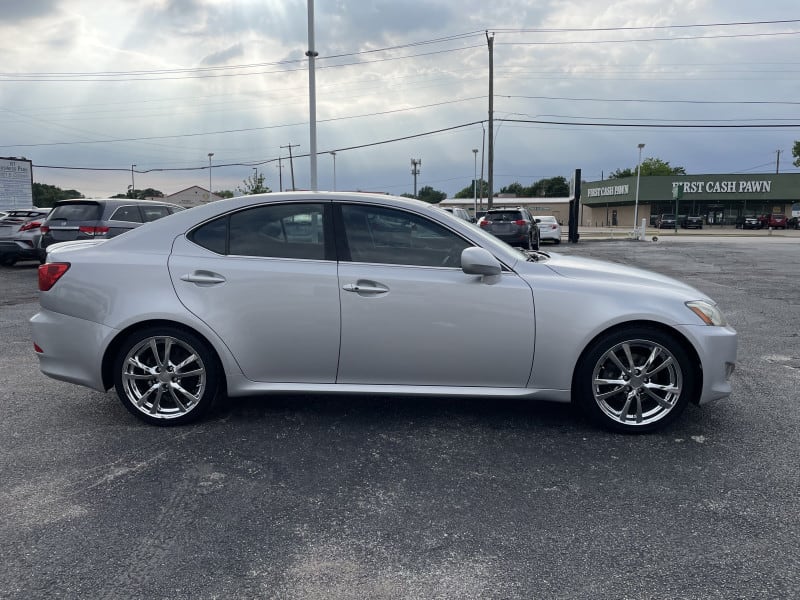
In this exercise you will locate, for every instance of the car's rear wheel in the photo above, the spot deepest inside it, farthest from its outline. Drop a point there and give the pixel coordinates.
(166, 375)
(634, 380)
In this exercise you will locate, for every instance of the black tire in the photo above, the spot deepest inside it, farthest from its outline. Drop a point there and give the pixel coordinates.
(173, 385)
(7, 261)
(631, 400)
(557, 242)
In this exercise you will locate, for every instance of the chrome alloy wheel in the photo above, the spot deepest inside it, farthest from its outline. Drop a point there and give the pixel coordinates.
(163, 377)
(637, 382)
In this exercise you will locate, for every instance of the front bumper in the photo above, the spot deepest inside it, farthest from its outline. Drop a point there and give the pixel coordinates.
(716, 348)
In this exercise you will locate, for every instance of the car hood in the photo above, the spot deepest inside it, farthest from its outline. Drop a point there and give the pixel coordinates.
(606, 273)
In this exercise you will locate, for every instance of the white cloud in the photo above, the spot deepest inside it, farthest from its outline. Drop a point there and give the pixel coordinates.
(158, 117)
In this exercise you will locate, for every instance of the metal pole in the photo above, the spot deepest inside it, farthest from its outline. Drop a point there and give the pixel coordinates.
(280, 173)
(312, 97)
(636, 205)
(475, 183)
(133, 184)
(490, 41)
(210, 154)
(333, 154)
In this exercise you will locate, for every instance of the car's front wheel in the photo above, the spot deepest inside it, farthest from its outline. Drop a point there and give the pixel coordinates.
(166, 375)
(634, 380)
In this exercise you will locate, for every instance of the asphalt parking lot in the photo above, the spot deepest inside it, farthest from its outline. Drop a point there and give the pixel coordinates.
(336, 497)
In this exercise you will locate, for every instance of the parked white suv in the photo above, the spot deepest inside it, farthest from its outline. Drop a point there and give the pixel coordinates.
(549, 228)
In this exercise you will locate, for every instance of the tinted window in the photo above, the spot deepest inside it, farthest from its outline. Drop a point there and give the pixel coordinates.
(82, 211)
(151, 213)
(278, 231)
(504, 215)
(128, 213)
(381, 235)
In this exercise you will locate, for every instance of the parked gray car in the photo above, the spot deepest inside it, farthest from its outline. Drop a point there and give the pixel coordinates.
(19, 234)
(368, 294)
(99, 219)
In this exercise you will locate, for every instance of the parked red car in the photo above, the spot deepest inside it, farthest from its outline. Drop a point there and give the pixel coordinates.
(777, 221)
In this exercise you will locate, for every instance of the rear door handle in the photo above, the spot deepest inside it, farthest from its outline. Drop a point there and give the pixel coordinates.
(203, 278)
(365, 287)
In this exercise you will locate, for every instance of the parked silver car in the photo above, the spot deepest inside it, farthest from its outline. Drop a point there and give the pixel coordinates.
(19, 234)
(370, 294)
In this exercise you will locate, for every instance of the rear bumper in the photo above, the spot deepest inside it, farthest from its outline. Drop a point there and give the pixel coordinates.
(18, 250)
(72, 348)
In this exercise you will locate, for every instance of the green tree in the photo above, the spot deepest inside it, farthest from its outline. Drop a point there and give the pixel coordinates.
(149, 193)
(515, 188)
(254, 185)
(796, 153)
(552, 187)
(650, 166)
(45, 196)
(430, 195)
(224, 193)
(468, 192)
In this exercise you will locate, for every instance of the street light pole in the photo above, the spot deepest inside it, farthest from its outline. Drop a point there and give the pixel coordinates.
(133, 185)
(636, 205)
(210, 154)
(333, 154)
(475, 184)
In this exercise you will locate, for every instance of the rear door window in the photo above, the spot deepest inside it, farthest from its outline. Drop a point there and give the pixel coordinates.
(129, 213)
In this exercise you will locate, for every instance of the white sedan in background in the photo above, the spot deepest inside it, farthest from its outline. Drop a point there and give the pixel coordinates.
(549, 229)
(368, 294)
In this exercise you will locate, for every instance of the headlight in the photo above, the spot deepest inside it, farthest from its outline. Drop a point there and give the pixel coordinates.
(708, 312)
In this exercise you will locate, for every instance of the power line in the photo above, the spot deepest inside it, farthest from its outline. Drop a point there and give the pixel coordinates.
(649, 101)
(428, 133)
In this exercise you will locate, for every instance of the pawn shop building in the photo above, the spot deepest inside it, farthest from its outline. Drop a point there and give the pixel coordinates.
(719, 199)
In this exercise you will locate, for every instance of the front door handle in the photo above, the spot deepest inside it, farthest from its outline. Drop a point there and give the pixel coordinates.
(203, 278)
(365, 287)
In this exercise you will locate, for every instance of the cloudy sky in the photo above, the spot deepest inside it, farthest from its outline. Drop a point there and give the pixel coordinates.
(93, 87)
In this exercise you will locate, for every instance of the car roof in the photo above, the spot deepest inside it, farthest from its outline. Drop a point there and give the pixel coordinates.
(114, 202)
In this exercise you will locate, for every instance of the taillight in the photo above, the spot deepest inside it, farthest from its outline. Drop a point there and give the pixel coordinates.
(50, 273)
(45, 228)
(520, 222)
(30, 225)
(94, 231)
(485, 223)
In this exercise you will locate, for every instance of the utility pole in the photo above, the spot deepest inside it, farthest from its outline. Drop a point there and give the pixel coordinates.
(490, 183)
(778, 163)
(415, 164)
(133, 184)
(291, 163)
(280, 173)
(210, 154)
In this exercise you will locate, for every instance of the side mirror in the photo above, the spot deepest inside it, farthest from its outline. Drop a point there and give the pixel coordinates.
(538, 220)
(478, 261)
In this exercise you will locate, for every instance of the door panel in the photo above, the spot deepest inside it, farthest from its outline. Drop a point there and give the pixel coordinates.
(410, 325)
(278, 316)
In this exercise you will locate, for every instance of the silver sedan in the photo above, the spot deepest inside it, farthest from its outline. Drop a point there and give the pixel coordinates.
(369, 294)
